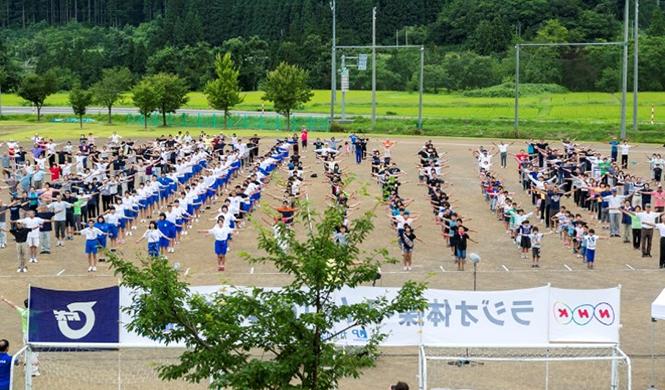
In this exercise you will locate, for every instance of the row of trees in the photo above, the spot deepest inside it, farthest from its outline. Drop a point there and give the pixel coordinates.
(286, 87)
(184, 37)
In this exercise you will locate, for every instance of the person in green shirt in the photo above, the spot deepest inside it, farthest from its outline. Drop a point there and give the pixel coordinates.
(24, 313)
(76, 207)
(604, 167)
(635, 224)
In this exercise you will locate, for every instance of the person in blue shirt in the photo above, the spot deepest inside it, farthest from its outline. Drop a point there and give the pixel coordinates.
(104, 227)
(165, 227)
(5, 365)
(614, 151)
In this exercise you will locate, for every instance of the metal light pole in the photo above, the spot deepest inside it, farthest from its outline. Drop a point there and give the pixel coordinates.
(517, 90)
(333, 65)
(421, 87)
(374, 66)
(624, 74)
(636, 38)
(344, 70)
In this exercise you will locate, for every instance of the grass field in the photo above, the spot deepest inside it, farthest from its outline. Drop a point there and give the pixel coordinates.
(581, 106)
(582, 116)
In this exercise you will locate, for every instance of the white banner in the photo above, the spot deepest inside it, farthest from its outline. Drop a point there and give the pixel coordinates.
(527, 317)
(131, 339)
(585, 315)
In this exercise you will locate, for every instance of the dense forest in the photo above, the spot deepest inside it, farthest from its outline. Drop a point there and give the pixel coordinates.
(469, 43)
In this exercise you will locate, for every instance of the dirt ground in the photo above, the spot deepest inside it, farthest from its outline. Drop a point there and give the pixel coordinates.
(500, 268)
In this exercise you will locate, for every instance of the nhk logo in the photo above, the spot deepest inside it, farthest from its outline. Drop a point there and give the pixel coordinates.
(583, 314)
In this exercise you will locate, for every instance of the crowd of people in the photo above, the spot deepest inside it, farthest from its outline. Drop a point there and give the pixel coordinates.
(607, 198)
(105, 193)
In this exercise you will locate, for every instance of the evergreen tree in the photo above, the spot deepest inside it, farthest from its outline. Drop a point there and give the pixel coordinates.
(224, 92)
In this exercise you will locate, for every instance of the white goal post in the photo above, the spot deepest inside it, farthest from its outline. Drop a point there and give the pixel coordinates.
(555, 366)
(99, 367)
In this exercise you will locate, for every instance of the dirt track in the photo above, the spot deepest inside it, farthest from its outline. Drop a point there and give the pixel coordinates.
(501, 266)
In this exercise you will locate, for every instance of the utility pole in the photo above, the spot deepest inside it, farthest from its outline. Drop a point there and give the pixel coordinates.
(344, 73)
(374, 66)
(333, 65)
(624, 74)
(517, 89)
(636, 38)
(421, 87)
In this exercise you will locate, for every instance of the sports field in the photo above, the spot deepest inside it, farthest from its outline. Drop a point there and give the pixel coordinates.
(500, 268)
(582, 107)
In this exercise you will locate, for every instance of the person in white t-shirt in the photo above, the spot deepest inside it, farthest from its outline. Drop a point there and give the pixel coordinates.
(648, 219)
(661, 230)
(624, 148)
(503, 152)
(33, 223)
(152, 235)
(222, 235)
(591, 241)
(91, 235)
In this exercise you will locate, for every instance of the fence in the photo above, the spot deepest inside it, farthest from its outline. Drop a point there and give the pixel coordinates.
(214, 121)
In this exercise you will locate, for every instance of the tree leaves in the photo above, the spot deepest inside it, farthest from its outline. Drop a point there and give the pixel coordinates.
(224, 92)
(287, 88)
(253, 338)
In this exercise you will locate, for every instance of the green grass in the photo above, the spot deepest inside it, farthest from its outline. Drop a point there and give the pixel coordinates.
(21, 128)
(578, 107)
(585, 116)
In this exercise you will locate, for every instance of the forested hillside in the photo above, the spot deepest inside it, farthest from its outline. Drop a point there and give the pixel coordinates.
(469, 43)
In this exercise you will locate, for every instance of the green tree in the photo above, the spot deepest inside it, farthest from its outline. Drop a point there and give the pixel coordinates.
(657, 25)
(296, 348)
(79, 99)
(286, 87)
(170, 92)
(145, 99)
(224, 92)
(110, 88)
(468, 70)
(36, 88)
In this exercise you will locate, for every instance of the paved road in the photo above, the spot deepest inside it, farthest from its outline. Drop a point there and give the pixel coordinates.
(129, 110)
(59, 110)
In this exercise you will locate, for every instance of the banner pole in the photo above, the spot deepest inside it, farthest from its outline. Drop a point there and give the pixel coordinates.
(119, 333)
(28, 352)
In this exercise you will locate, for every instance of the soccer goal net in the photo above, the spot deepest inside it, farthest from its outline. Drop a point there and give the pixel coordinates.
(99, 369)
(591, 367)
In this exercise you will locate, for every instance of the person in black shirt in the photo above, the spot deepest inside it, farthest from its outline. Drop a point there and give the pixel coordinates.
(71, 225)
(45, 229)
(253, 153)
(20, 233)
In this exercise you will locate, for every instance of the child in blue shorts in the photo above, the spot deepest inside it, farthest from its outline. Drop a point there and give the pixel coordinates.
(91, 234)
(153, 236)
